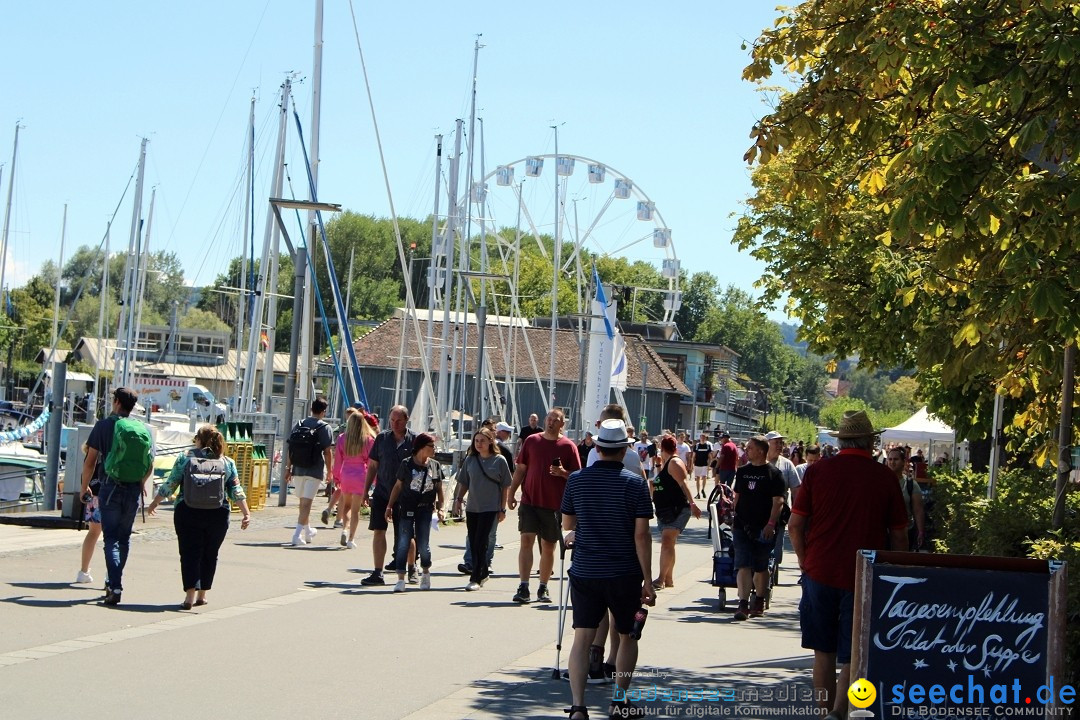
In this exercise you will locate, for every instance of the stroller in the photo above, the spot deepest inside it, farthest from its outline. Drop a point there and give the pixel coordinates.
(721, 506)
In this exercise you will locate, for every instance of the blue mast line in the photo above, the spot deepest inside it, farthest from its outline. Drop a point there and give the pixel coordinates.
(322, 314)
(335, 288)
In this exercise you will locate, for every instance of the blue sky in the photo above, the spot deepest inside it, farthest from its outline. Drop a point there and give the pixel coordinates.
(652, 90)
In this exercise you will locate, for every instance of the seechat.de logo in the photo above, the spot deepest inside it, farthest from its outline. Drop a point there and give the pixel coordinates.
(862, 694)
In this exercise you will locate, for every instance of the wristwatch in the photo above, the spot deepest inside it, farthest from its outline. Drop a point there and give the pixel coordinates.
(503, 511)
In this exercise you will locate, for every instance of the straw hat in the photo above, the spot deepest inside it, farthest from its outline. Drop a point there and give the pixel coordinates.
(855, 424)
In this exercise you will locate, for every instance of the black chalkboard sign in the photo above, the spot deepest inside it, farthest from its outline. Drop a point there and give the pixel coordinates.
(935, 634)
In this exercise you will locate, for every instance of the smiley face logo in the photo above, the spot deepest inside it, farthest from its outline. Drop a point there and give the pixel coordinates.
(862, 693)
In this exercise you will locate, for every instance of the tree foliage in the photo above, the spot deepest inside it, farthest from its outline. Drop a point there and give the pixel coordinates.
(915, 193)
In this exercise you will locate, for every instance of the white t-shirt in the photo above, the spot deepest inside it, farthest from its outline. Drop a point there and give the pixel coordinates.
(685, 452)
(631, 461)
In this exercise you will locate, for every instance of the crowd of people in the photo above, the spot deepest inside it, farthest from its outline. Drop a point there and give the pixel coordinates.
(832, 502)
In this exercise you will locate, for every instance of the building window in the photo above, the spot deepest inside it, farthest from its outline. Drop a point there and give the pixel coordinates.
(677, 363)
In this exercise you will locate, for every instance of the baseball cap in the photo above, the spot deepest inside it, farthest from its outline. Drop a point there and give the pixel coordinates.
(773, 435)
(505, 427)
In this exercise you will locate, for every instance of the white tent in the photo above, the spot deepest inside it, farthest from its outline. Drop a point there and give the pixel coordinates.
(921, 428)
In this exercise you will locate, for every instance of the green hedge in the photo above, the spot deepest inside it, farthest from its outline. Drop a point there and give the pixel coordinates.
(1014, 524)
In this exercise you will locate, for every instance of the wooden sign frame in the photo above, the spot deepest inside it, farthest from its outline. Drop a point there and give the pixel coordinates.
(1054, 573)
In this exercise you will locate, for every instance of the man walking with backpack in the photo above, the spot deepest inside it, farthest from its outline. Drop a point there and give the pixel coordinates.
(119, 454)
(308, 462)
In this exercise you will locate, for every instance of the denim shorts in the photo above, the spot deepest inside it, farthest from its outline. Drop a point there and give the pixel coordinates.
(679, 523)
(826, 614)
(749, 553)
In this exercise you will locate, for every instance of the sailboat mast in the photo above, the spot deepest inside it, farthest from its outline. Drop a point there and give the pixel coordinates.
(448, 245)
(247, 240)
(143, 267)
(59, 272)
(130, 270)
(313, 228)
(557, 255)
(261, 287)
(104, 292)
(481, 309)
(433, 273)
(7, 211)
(348, 309)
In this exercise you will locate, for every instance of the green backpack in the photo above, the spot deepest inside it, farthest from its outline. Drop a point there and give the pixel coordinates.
(130, 456)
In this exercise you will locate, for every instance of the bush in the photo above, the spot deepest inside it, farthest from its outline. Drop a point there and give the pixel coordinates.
(1014, 524)
(794, 427)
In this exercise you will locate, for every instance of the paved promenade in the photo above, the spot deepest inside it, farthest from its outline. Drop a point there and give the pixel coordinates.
(290, 632)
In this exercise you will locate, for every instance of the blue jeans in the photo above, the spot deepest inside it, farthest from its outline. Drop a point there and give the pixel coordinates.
(413, 525)
(467, 560)
(118, 504)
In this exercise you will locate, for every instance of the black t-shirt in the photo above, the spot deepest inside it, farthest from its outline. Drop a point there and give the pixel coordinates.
(526, 432)
(701, 454)
(756, 486)
(101, 437)
(419, 483)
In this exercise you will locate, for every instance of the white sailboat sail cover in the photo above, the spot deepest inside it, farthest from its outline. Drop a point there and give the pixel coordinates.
(420, 419)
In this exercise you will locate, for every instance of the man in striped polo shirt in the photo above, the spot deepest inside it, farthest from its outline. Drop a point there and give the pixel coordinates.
(607, 509)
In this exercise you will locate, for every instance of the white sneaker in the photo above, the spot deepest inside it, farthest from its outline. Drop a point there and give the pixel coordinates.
(399, 586)
(83, 577)
(350, 545)
(309, 533)
(472, 586)
(298, 537)
(425, 581)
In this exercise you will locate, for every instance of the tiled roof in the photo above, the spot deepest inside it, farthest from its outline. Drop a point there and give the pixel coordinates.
(379, 348)
(96, 353)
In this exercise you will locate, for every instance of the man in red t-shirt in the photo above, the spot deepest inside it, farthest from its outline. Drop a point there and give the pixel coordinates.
(846, 503)
(727, 460)
(544, 462)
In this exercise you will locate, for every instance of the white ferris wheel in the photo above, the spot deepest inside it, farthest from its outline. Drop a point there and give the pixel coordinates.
(598, 209)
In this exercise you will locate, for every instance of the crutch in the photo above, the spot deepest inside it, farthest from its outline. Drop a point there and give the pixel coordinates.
(564, 595)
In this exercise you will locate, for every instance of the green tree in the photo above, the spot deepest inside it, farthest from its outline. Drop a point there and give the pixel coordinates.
(902, 395)
(699, 293)
(868, 386)
(197, 319)
(924, 152)
(737, 323)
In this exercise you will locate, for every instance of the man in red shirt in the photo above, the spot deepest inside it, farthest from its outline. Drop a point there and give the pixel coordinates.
(544, 462)
(727, 460)
(846, 503)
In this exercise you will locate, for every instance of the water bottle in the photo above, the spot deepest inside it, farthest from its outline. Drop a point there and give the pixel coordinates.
(639, 623)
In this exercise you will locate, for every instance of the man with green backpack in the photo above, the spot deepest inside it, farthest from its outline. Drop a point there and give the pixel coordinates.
(120, 455)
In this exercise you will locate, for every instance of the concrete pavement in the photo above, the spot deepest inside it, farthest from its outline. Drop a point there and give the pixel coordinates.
(290, 632)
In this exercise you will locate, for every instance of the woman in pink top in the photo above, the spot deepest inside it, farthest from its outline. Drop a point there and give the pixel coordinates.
(350, 470)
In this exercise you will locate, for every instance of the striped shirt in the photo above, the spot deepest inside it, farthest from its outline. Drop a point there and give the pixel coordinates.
(606, 499)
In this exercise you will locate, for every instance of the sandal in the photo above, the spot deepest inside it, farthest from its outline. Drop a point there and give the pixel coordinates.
(577, 709)
(185, 606)
(197, 603)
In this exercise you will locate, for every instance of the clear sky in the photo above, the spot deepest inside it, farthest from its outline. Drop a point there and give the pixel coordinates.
(653, 90)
